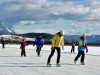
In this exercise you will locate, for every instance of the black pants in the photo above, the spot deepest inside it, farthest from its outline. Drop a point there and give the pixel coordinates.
(52, 53)
(3, 45)
(80, 53)
(38, 50)
(23, 52)
(73, 49)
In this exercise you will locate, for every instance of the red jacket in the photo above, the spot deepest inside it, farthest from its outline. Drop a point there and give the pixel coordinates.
(23, 44)
(86, 45)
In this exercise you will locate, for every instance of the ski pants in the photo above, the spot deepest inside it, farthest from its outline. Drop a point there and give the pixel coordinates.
(38, 50)
(82, 54)
(52, 53)
(23, 52)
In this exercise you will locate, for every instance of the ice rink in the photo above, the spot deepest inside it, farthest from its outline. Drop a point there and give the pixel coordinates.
(11, 62)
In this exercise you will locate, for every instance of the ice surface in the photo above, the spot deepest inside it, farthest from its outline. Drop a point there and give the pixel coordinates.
(11, 62)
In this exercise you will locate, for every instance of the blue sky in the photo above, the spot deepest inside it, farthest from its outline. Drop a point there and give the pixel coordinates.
(50, 16)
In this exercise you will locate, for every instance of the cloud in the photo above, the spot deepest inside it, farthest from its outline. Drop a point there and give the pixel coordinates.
(81, 13)
(15, 10)
(39, 10)
(51, 31)
(27, 22)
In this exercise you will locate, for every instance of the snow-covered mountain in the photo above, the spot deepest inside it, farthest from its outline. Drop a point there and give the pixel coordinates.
(5, 29)
(15, 37)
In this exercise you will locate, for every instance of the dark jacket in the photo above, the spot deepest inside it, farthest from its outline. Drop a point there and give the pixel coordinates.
(39, 41)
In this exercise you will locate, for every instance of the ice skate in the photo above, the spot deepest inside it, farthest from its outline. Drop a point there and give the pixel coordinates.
(58, 65)
(82, 63)
(74, 62)
(39, 55)
(48, 65)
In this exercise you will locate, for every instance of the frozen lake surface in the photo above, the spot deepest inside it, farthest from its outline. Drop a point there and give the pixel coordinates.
(11, 62)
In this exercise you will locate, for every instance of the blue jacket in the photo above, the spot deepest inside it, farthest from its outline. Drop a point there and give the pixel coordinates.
(39, 41)
(82, 45)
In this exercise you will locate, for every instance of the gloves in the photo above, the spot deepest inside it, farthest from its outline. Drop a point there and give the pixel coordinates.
(41, 46)
(83, 46)
(52, 48)
(86, 51)
(62, 48)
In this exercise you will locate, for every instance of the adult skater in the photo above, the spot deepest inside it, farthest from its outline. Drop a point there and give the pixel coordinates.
(3, 43)
(22, 47)
(57, 40)
(39, 44)
(81, 49)
(73, 47)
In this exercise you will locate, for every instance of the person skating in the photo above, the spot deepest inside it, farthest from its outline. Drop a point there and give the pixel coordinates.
(3, 43)
(73, 47)
(22, 47)
(81, 49)
(57, 40)
(39, 44)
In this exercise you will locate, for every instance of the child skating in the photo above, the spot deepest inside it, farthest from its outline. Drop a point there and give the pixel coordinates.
(73, 47)
(22, 47)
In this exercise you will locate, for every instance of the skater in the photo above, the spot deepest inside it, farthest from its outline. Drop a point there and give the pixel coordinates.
(22, 47)
(3, 43)
(81, 49)
(39, 44)
(73, 47)
(57, 40)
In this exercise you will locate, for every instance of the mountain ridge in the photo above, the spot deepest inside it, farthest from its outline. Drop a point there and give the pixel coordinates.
(4, 29)
(90, 39)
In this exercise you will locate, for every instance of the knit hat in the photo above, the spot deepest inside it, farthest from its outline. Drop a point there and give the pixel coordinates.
(23, 39)
(84, 35)
(61, 31)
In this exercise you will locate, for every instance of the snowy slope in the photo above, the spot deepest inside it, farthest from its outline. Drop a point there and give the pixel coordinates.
(12, 64)
(4, 29)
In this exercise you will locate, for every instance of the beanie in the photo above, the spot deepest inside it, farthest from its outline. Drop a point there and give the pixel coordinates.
(61, 31)
(84, 35)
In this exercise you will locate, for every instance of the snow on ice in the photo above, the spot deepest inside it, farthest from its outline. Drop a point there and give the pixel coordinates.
(11, 62)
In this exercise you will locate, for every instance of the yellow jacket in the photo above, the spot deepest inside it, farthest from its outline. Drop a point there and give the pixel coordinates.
(80, 43)
(58, 41)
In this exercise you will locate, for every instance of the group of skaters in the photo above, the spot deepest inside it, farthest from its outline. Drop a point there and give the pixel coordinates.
(39, 42)
(58, 40)
(57, 43)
